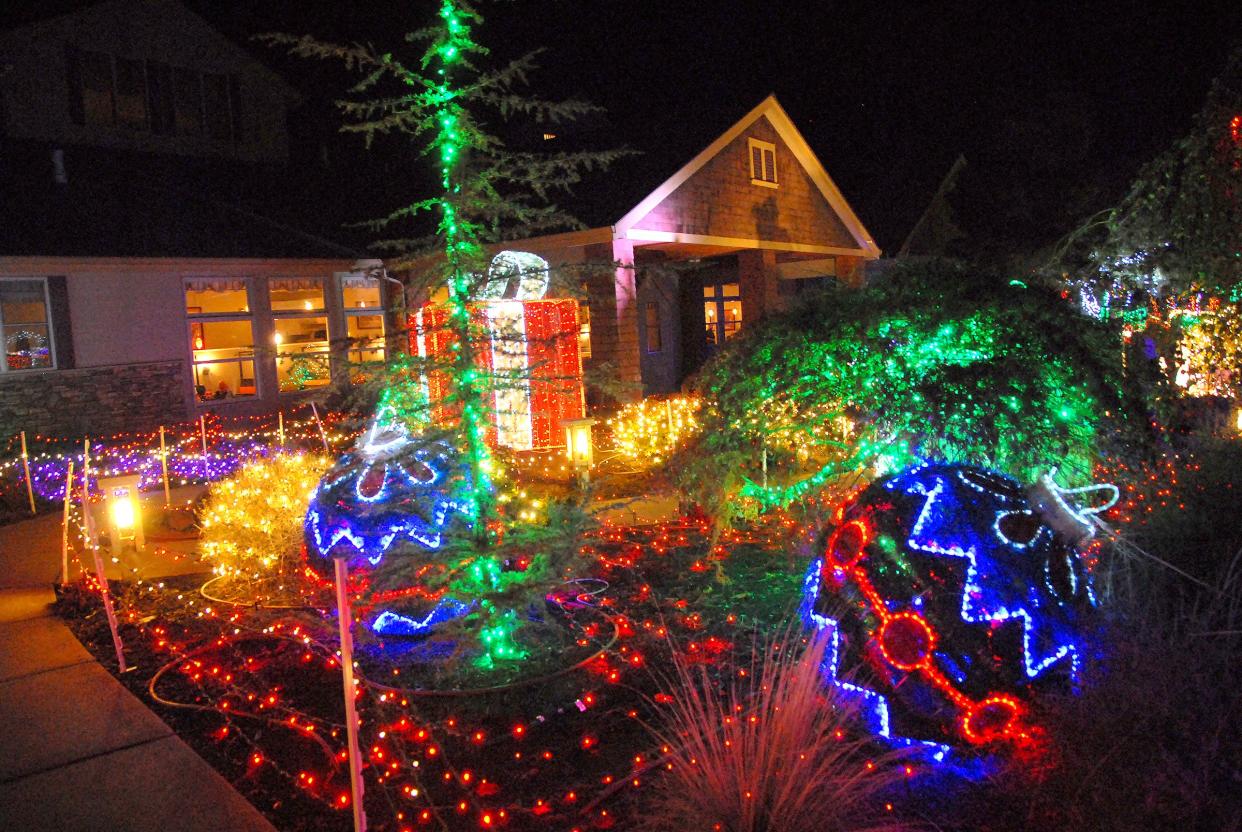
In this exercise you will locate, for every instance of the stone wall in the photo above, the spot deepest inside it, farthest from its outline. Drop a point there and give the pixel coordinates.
(94, 400)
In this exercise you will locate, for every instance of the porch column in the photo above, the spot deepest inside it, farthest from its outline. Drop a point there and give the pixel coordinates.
(626, 294)
(758, 283)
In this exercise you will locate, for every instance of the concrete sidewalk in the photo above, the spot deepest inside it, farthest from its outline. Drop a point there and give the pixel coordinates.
(78, 751)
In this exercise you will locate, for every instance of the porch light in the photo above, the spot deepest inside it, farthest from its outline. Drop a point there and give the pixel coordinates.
(124, 511)
(578, 446)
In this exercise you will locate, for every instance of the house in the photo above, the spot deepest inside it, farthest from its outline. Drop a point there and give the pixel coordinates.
(138, 282)
(751, 221)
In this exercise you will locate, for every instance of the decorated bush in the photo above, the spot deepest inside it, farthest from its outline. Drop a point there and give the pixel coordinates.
(252, 522)
(940, 361)
(645, 432)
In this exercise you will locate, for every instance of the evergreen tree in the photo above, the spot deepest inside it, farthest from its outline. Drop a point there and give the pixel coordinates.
(442, 100)
(1179, 228)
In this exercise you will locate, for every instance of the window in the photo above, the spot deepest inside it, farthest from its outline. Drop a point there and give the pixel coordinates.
(221, 333)
(24, 326)
(216, 107)
(655, 339)
(722, 311)
(111, 91)
(299, 333)
(364, 318)
(97, 103)
(187, 107)
(762, 163)
(584, 330)
(131, 94)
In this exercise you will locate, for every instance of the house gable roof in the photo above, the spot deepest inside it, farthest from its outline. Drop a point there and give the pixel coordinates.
(767, 116)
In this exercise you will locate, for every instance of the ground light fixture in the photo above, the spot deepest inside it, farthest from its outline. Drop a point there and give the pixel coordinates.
(124, 511)
(579, 448)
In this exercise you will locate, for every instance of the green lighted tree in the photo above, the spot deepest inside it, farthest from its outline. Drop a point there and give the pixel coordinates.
(444, 101)
(488, 191)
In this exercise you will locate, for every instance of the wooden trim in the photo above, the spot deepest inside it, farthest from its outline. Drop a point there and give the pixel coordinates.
(644, 235)
(780, 120)
(186, 267)
(565, 239)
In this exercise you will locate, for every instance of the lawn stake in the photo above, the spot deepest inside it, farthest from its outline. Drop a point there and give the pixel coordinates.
(345, 620)
(26, 465)
(64, 527)
(202, 431)
(93, 543)
(164, 468)
(280, 428)
(318, 422)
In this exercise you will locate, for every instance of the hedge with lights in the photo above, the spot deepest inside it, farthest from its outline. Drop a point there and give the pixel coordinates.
(645, 432)
(252, 522)
(940, 361)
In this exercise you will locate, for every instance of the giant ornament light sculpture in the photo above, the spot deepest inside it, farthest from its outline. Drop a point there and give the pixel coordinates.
(962, 591)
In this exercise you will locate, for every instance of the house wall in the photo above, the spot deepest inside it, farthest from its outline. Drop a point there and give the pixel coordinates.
(128, 364)
(720, 200)
(97, 400)
(35, 88)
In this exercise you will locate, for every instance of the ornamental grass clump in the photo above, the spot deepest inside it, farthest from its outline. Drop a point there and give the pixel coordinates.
(771, 750)
(252, 522)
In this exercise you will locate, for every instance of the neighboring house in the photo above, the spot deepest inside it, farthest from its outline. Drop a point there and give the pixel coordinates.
(134, 287)
(747, 223)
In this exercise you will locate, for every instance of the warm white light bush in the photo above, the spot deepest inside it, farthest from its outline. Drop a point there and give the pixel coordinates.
(252, 522)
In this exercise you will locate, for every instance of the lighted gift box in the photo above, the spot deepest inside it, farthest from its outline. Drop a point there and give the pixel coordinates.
(530, 351)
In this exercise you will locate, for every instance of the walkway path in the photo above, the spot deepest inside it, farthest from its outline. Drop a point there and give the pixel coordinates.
(77, 750)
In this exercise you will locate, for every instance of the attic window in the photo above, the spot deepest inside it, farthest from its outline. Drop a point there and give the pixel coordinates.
(762, 163)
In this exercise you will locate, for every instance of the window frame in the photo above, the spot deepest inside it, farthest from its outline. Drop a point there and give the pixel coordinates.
(197, 319)
(584, 329)
(714, 294)
(650, 310)
(158, 98)
(362, 312)
(767, 163)
(278, 315)
(51, 333)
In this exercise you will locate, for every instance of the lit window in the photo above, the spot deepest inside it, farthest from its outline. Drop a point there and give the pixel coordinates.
(24, 326)
(221, 333)
(762, 163)
(299, 333)
(655, 339)
(722, 311)
(584, 330)
(364, 319)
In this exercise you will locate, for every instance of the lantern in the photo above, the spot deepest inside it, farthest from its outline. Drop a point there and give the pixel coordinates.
(124, 511)
(578, 446)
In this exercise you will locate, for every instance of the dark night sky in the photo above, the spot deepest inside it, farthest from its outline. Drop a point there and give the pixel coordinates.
(1054, 106)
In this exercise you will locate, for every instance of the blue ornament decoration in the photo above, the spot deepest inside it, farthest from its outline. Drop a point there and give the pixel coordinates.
(962, 591)
(391, 489)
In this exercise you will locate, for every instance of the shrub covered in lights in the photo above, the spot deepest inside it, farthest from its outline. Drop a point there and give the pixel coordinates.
(647, 431)
(252, 522)
(1212, 352)
(940, 361)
